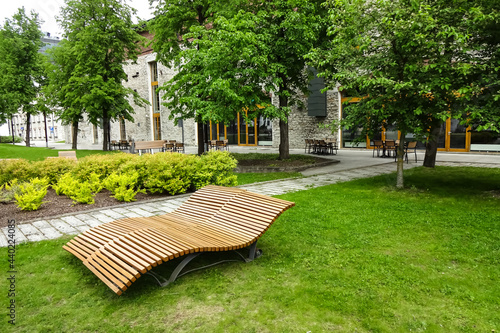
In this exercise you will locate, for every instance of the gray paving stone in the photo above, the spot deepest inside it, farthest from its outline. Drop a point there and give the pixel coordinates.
(93, 222)
(120, 210)
(19, 236)
(63, 227)
(36, 237)
(3, 240)
(112, 213)
(72, 221)
(141, 212)
(28, 229)
(41, 224)
(102, 217)
(132, 214)
(82, 228)
(149, 207)
(51, 233)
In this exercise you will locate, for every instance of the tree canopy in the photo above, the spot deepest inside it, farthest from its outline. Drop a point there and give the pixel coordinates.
(234, 61)
(406, 59)
(101, 40)
(21, 65)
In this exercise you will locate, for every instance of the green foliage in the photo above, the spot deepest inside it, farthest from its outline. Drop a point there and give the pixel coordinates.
(53, 168)
(215, 168)
(102, 165)
(20, 64)
(79, 191)
(32, 194)
(19, 169)
(8, 191)
(123, 186)
(8, 139)
(92, 77)
(169, 173)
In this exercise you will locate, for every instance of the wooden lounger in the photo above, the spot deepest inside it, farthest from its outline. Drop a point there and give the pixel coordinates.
(213, 219)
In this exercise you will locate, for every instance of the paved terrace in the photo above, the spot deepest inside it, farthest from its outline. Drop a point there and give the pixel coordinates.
(353, 164)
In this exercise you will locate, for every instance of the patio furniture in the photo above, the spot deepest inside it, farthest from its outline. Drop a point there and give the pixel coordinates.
(214, 218)
(70, 154)
(124, 144)
(411, 146)
(390, 148)
(179, 147)
(378, 145)
(149, 146)
(169, 147)
(114, 144)
(220, 145)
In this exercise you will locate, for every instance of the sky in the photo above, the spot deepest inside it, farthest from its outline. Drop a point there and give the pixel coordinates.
(49, 9)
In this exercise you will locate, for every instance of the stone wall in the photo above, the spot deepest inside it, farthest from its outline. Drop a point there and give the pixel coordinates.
(301, 126)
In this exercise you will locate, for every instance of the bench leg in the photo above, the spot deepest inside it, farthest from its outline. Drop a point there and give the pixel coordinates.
(254, 253)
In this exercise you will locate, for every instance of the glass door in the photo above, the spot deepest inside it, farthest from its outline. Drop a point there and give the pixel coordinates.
(247, 131)
(453, 136)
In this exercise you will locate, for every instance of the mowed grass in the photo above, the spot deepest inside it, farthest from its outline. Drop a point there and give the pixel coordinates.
(38, 153)
(358, 256)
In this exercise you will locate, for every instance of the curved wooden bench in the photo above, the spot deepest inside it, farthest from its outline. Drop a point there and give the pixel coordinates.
(213, 219)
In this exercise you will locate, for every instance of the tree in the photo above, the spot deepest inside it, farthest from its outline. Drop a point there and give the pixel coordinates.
(21, 65)
(58, 92)
(173, 19)
(234, 61)
(102, 39)
(405, 58)
(482, 97)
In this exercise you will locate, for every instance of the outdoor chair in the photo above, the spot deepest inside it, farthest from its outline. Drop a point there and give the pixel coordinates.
(411, 146)
(219, 145)
(390, 148)
(179, 147)
(169, 147)
(378, 145)
(214, 218)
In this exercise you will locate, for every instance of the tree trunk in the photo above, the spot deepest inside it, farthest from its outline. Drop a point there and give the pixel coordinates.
(12, 127)
(431, 146)
(201, 136)
(74, 135)
(284, 148)
(105, 131)
(45, 123)
(28, 129)
(400, 162)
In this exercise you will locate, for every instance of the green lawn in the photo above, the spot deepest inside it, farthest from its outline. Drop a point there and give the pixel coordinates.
(38, 153)
(358, 256)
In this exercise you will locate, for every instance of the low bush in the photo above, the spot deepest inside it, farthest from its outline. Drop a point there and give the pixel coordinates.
(8, 139)
(54, 168)
(215, 168)
(32, 194)
(8, 191)
(78, 191)
(102, 165)
(19, 169)
(123, 186)
(169, 173)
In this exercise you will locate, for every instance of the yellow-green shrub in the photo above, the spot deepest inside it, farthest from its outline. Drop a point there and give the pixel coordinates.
(19, 169)
(123, 186)
(54, 168)
(32, 194)
(8, 191)
(168, 173)
(215, 168)
(102, 165)
(78, 191)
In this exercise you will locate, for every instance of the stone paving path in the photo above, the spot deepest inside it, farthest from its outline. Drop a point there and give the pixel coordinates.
(70, 224)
